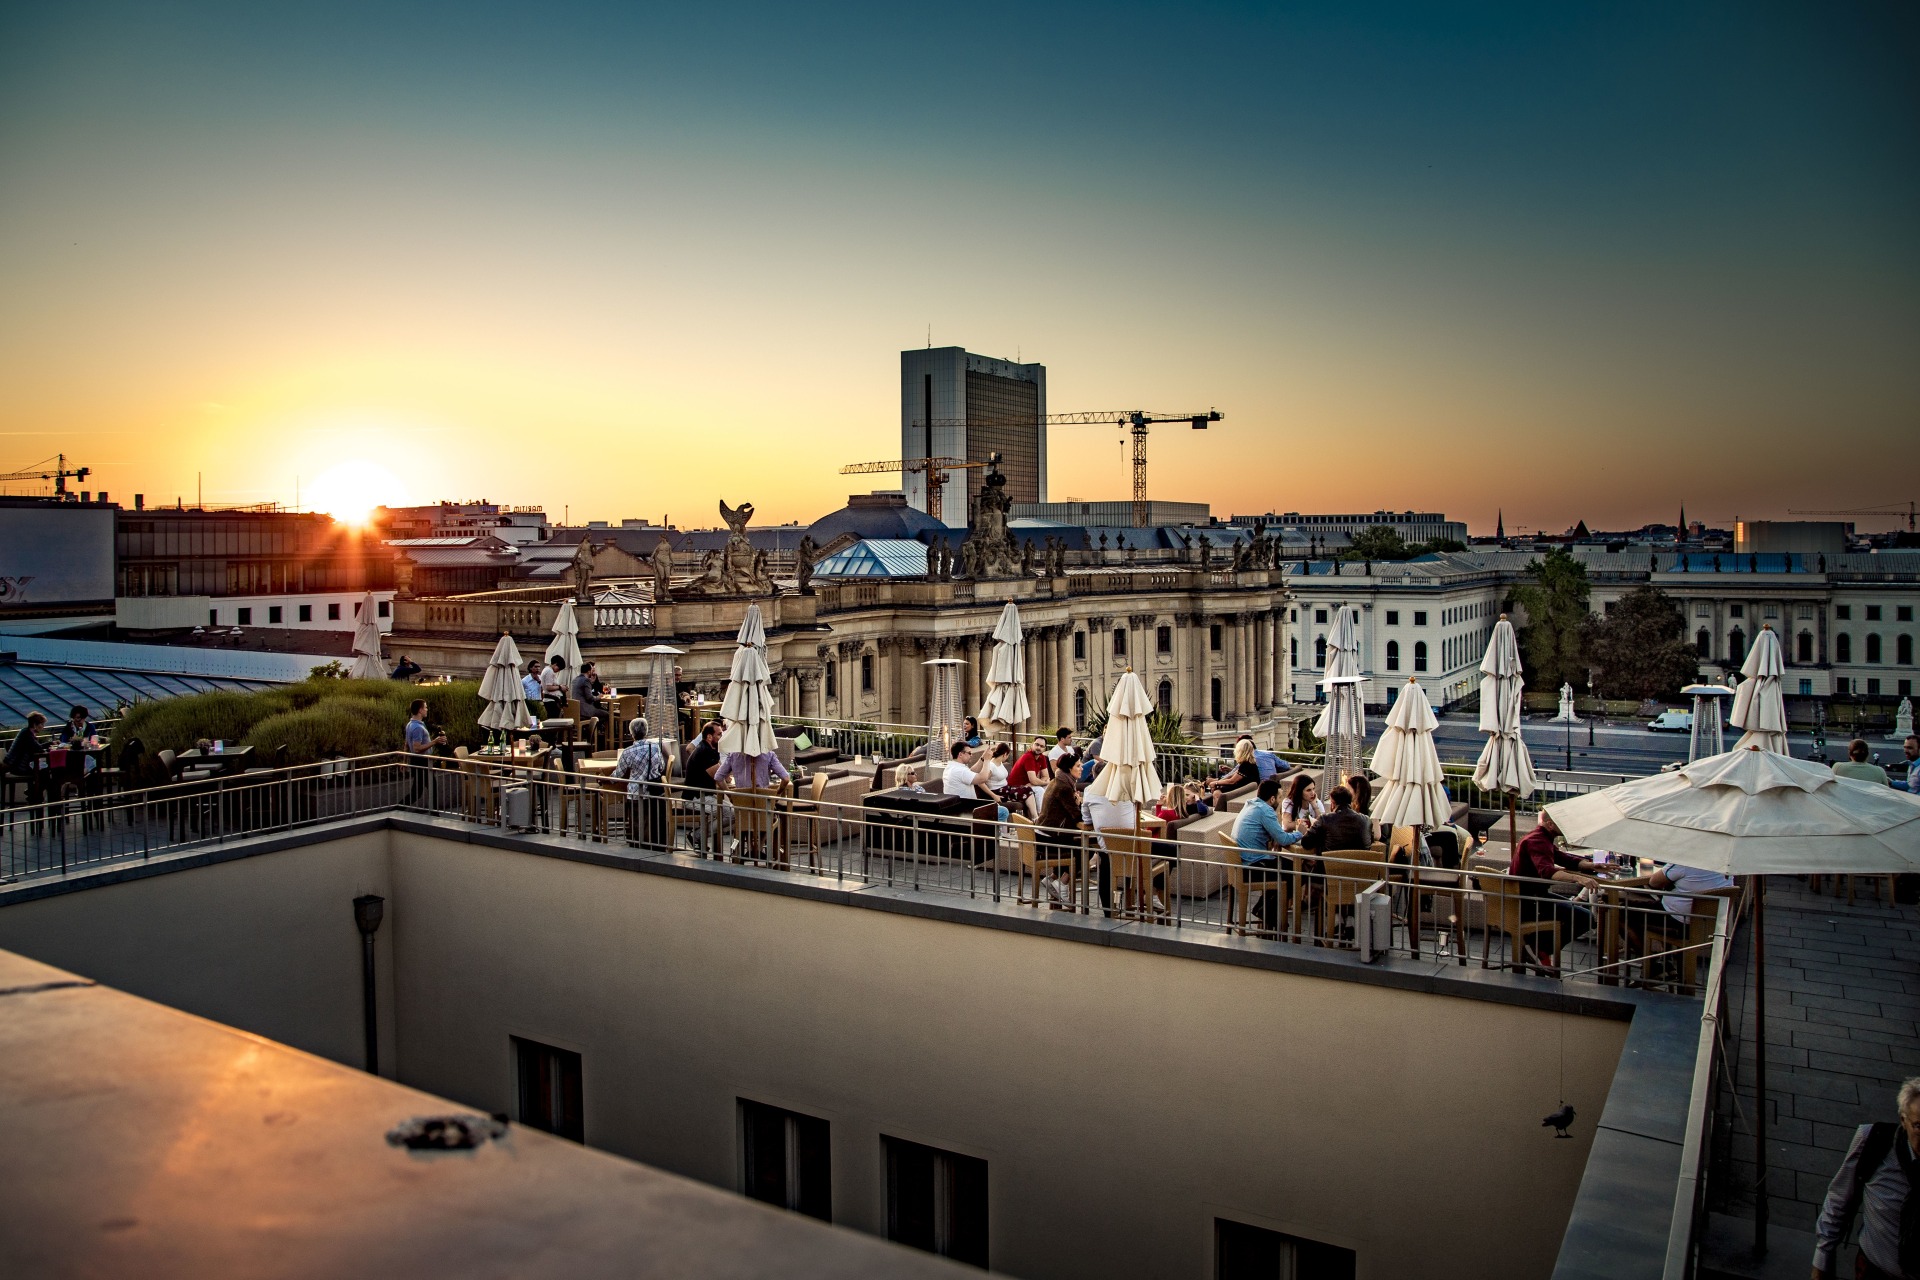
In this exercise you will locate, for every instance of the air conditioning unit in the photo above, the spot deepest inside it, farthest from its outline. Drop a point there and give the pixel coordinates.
(1373, 922)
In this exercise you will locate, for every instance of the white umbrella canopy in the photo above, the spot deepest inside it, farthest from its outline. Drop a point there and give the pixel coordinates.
(564, 650)
(748, 705)
(753, 630)
(1345, 712)
(1006, 701)
(1504, 764)
(1751, 812)
(501, 689)
(1127, 748)
(1413, 790)
(367, 663)
(1758, 705)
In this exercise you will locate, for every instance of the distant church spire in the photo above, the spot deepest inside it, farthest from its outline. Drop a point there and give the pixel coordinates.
(1500, 526)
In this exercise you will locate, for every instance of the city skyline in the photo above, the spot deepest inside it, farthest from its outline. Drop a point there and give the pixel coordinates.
(623, 264)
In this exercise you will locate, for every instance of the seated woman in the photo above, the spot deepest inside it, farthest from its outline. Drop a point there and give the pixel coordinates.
(1302, 807)
(1245, 771)
(969, 731)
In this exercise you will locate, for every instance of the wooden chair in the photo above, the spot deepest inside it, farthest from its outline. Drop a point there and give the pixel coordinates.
(1698, 936)
(1140, 881)
(805, 816)
(1882, 887)
(1502, 900)
(1348, 873)
(1243, 882)
(1037, 863)
(757, 820)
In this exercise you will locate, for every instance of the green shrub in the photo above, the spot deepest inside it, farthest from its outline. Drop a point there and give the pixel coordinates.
(316, 719)
(332, 727)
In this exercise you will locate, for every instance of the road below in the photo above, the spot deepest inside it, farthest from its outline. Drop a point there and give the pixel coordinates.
(1626, 748)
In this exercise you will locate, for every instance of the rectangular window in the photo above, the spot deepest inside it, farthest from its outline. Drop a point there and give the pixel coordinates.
(1080, 646)
(1842, 684)
(382, 609)
(1319, 615)
(1903, 613)
(937, 1201)
(244, 617)
(1771, 611)
(275, 615)
(1843, 612)
(1806, 688)
(1906, 688)
(1703, 610)
(549, 1088)
(1213, 637)
(306, 613)
(866, 673)
(1419, 617)
(1163, 639)
(1804, 611)
(213, 617)
(333, 613)
(1873, 686)
(784, 1159)
(1737, 610)
(1242, 1252)
(1393, 617)
(1873, 613)
(1119, 642)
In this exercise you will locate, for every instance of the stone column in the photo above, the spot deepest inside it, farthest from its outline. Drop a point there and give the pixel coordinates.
(883, 678)
(1062, 674)
(810, 694)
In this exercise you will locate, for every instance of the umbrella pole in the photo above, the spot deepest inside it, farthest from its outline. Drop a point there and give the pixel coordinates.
(1760, 1066)
(1513, 827)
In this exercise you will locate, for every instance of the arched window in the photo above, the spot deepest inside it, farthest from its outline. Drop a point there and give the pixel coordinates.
(1393, 655)
(1736, 646)
(1903, 650)
(1420, 655)
(1803, 647)
(1213, 700)
(1703, 643)
(1079, 708)
(1843, 648)
(1166, 696)
(1873, 648)
(1319, 651)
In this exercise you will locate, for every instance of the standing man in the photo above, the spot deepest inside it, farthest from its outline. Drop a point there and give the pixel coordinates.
(420, 743)
(643, 765)
(1876, 1181)
(1911, 749)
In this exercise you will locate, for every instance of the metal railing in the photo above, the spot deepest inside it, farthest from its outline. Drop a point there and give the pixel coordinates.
(1458, 914)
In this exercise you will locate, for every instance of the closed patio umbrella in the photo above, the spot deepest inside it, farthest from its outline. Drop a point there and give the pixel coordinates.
(1127, 747)
(1413, 790)
(1758, 705)
(564, 649)
(1006, 701)
(367, 663)
(748, 706)
(1752, 812)
(501, 690)
(1343, 723)
(1504, 765)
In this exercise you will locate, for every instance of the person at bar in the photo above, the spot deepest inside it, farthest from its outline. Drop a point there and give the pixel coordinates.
(26, 758)
(1258, 834)
(1538, 861)
(643, 764)
(1875, 1183)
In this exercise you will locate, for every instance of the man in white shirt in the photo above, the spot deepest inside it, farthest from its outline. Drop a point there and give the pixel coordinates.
(553, 688)
(1062, 743)
(1686, 884)
(1103, 814)
(968, 769)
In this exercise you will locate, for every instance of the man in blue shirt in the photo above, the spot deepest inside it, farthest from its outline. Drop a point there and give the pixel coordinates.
(1258, 833)
(420, 742)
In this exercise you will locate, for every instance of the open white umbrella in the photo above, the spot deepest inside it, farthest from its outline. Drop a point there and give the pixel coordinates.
(1127, 747)
(1758, 706)
(564, 649)
(1504, 765)
(501, 690)
(1752, 812)
(1006, 701)
(748, 706)
(1413, 790)
(1343, 722)
(367, 663)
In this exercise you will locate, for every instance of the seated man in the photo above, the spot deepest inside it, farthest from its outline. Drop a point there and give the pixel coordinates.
(1062, 744)
(586, 692)
(1672, 924)
(967, 773)
(1102, 814)
(1258, 833)
(1859, 765)
(1540, 861)
(702, 764)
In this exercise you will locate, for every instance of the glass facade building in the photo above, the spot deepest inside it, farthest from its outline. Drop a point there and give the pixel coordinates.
(956, 404)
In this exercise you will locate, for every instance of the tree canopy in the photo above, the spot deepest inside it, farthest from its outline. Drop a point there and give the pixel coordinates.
(1554, 640)
(1640, 648)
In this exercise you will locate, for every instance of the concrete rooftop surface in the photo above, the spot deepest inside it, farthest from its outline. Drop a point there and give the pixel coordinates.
(142, 1141)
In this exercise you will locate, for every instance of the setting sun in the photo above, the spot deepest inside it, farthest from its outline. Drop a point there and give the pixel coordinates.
(349, 491)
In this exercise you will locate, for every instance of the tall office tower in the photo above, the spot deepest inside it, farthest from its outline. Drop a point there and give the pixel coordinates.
(954, 404)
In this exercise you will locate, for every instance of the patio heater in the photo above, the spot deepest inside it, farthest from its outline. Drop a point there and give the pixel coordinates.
(662, 692)
(1709, 735)
(944, 713)
(1346, 731)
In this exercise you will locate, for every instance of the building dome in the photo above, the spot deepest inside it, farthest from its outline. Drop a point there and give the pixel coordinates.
(877, 515)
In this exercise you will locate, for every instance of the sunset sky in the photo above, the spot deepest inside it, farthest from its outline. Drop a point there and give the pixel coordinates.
(1566, 261)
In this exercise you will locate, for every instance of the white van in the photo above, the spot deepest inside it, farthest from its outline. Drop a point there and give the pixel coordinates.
(1671, 721)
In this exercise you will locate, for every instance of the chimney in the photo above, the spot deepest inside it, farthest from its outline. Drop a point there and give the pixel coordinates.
(139, 502)
(103, 497)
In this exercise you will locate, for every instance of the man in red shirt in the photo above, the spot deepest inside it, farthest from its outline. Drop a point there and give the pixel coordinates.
(1538, 861)
(1029, 771)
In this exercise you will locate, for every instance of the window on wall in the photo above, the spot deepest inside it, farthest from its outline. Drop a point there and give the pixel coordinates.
(1803, 611)
(1214, 699)
(1079, 708)
(1843, 612)
(866, 673)
(1873, 687)
(1842, 684)
(1806, 687)
(549, 1088)
(274, 615)
(1393, 655)
(383, 609)
(1080, 645)
(1803, 647)
(1736, 645)
(937, 1201)
(1903, 613)
(833, 679)
(1419, 617)
(1119, 642)
(784, 1159)
(1873, 613)
(1703, 643)
(1703, 610)
(1903, 651)
(243, 617)
(1241, 1252)
(306, 613)
(213, 617)
(1736, 611)
(1771, 611)
(1873, 648)
(1166, 697)
(1319, 615)
(1319, 651)
(1420, 655)
(1213, 637)
(333, 612)
(1393, 617)
(1163, 639)
(1843, 647)
(1293, 651)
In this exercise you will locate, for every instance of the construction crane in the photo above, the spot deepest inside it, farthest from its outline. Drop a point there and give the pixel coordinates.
(1881, 510)
(1135, 420)
(913, 466)
(59, 475)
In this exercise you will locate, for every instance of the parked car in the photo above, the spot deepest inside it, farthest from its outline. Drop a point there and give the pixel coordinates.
(1671, 721)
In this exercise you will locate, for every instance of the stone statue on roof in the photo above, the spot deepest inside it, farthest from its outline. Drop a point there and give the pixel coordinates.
(737, 569)
(803, 563)
(662, 560)
(992, 554)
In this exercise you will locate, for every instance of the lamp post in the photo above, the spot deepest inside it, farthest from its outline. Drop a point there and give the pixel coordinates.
(367, 911)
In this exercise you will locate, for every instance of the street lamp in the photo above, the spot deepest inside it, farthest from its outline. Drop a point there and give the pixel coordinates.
(367, 912)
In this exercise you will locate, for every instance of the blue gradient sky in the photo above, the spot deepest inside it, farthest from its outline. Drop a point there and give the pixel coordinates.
(1573, 262)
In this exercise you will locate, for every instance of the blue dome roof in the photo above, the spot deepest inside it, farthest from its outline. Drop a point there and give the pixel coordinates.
(878, 515)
